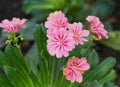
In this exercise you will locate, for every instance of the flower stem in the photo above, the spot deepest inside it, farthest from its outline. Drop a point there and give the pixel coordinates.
(14, 39)
(18, 47)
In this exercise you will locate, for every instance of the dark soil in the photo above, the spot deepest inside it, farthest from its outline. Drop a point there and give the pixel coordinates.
(116, 15)
(12, 8)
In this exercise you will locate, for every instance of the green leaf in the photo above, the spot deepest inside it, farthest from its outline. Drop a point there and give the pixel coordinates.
(3, 60)
(101, 70)
(33, 59)
(113, 41)
(16, 78)
(59, 78)
(111, 76)
(94, 84)
(15, 58)
(33, 50)
(109, 85)
(40, 39)
(93, 56)
(4, 82)
(35, 79)
(103, 9)
(76, 51)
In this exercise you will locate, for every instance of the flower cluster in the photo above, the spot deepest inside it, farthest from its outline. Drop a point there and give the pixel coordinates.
(13, 26)
(63, 36)
(75, 68)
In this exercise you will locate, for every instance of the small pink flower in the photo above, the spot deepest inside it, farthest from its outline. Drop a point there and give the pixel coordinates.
(97, 27)
(78, 33)
(75, 68)
(13, 26)
(56, 20)
(60, 44)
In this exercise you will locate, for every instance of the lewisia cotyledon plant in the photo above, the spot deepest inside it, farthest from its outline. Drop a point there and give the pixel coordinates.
(62, 37)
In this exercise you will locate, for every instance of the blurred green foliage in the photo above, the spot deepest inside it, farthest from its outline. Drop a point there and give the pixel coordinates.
(113, 41)
(75, 10)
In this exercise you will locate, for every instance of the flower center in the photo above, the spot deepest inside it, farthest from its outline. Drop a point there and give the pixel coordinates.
(76, 35)
(61, 42)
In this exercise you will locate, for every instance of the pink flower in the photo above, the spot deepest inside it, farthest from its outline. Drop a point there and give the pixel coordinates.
(14, 25)
(53, 31)
(60, 44)
(97, 27)
(75, 68)
(56, 21)
(78, 33)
